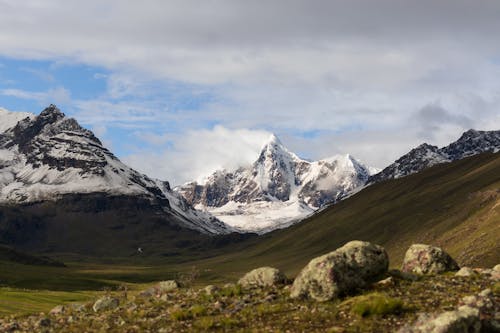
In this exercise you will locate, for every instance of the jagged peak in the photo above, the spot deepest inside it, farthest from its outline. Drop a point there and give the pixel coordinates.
(52, 113)
(425, 146)
(272, 142)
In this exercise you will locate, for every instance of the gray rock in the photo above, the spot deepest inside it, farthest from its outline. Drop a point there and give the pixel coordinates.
(44, 322)
(262, 277)
(463, 320)
(355, 265)
(465, 272)
(404, 275)
(59, 309)
(106, 303)
(484, 301)
(166, 286)
(210, 289)
(427, 259)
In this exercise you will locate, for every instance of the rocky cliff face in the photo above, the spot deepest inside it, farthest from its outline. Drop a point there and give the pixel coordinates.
(470, 143)
(277, 189)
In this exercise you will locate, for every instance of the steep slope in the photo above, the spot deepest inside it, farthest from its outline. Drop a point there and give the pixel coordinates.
(470, 143)
(277, 190)
(454, 205)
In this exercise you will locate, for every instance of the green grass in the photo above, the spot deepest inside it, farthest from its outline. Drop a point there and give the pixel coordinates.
(17, 301)
(376, 304)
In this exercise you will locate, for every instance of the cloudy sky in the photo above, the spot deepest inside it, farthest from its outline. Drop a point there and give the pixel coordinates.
(180, 88)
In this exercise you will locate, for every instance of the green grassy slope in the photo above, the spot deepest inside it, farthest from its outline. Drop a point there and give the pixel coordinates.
(456, 206)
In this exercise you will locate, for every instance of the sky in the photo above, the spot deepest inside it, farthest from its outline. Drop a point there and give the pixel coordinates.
(178, 89)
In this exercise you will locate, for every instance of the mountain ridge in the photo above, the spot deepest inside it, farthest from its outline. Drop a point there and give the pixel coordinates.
(470, 143)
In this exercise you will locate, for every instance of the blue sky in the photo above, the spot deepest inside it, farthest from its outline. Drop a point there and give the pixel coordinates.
(178, 89)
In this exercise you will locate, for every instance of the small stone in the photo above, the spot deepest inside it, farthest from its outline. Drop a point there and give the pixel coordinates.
(465, 272)
(385, 282)
(483, 301)
(106, 303)
(210, 289)
(166, 286)
(218, 305)
(59, 309)
(44, 322)
(78, 307)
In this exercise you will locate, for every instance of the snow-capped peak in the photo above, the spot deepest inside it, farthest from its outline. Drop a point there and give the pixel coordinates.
(51, 156)
(279, 188)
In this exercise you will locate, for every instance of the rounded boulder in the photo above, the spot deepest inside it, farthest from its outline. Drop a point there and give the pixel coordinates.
(355, 265)
(262, 277)
(427, 259)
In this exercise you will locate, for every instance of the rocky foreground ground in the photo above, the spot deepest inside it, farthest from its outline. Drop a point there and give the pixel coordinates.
(425, 296)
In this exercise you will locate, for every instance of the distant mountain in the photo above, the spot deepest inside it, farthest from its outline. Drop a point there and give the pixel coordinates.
(278, 189)
(470, 143)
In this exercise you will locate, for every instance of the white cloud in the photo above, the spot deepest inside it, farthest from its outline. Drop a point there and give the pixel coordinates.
(357, 72)
(59, 95)
(198, 153)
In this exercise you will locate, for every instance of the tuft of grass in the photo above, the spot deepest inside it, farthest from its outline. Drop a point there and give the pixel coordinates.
(231, 291)
(205, 323)
(198, 310)
(376, 304)
(496, 288)
(181, 315)
(228, 322)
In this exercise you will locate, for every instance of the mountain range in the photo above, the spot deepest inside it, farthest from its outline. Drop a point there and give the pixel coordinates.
(470, 143)
(60, 187)
(277, 190)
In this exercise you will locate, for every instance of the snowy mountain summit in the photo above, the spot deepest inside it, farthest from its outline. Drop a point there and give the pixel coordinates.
(50, 156)
(278, 189)
(470, 143)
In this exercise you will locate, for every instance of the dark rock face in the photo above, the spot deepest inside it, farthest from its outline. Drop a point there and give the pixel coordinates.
(470, 143)
(56, 141)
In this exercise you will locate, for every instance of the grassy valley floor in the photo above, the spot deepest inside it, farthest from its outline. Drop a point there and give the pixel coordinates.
(381, 308)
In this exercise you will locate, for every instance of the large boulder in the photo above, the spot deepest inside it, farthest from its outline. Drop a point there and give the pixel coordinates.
(355, 265)
(262, 277)
(427, 259)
